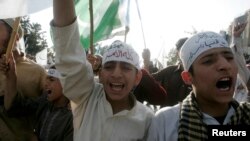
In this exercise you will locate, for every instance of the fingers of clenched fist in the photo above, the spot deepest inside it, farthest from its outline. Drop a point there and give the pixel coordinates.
(4, 67)
(238, 29)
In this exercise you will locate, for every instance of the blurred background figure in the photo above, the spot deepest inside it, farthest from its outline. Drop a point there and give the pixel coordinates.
(96, 63)
(170, 78)
(148, 64)
(30, 83)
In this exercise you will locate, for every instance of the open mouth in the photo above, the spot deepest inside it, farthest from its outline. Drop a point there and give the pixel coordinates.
(49, 92)
(116, 86)
(224, 84)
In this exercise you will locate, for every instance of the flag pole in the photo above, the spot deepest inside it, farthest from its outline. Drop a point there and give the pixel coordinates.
(91, 40)
(12, 38)
(138, 11)
(126, 33)
(127, 21)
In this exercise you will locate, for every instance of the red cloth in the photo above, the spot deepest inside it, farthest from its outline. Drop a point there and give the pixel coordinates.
(150, 90)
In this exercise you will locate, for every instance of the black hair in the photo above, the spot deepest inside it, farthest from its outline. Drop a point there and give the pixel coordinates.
(191, 70)
(180, 42)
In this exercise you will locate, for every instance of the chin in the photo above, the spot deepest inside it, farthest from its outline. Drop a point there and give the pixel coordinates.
(49, 99)
(226, 99)
(115, 97)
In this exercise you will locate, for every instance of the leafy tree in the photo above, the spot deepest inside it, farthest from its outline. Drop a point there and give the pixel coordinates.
(172, 57)
(33, 37)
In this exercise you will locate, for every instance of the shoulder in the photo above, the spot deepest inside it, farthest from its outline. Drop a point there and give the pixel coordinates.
(168, 114)
(165, 124)
(26, 63)
(166, 117)
(171, 68)
(168, 70)
(143, 109)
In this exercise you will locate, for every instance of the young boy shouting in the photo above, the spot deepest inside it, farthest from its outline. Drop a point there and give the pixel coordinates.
(102, 112)
(211, 70)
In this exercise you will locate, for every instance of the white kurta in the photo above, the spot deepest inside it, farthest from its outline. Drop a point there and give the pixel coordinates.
(93, 116)
(164, 126)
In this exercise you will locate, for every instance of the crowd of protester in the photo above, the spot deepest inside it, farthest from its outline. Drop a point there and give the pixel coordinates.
(95, 97)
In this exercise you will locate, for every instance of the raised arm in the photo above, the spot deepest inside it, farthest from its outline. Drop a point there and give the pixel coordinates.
(64, 12)
(238, 52)
(76, 73)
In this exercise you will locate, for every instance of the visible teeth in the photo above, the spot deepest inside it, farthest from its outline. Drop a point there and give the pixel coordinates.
(116, 86)
(224, 84)
(224, 79)
(225, 89)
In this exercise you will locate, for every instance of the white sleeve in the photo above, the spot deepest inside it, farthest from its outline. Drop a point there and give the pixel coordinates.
(77, 76)
(237, 48)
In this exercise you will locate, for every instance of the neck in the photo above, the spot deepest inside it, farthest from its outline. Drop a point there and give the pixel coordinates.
(61, 102)
(214, 109)
(124, 104)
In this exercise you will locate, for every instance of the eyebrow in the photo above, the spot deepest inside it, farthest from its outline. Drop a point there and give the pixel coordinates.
(121, 62)
(221, 52)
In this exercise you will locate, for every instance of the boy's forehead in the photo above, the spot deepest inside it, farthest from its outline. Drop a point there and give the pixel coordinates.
(1, 22)
(198, 44)
(118, 62)
(215, 51)
(3, 25)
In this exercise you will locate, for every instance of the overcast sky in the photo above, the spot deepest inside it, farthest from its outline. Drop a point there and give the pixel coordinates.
(165, 21)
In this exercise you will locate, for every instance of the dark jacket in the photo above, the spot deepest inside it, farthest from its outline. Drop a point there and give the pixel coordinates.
(51, 123)
(150, 90)
(170, 78)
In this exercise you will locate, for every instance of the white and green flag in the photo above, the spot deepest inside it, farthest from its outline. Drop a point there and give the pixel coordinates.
(17, 8)
(108, 16)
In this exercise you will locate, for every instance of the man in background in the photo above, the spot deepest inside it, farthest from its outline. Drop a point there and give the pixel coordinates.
(30, 83)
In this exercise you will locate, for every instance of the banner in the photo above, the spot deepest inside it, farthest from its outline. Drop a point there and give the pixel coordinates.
(17, 8)
(108, 15)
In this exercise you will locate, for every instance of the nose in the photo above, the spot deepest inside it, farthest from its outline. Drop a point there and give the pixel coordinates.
(224, 63)
(46, 84)
(117, 72)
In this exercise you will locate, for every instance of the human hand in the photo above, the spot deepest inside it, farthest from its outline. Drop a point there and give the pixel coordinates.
(91, 58)
(238, 29)
(95, 61)
(9, 69)
(146, 54)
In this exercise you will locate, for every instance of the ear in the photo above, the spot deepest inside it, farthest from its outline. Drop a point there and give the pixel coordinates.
(100, 76)
(138, 77)
(186, 77)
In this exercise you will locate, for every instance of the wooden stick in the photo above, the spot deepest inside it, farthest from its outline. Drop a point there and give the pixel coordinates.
(126, 33)
(12, 38)
(91, 35)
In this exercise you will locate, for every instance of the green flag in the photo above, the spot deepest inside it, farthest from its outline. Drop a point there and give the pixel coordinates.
(106, 18)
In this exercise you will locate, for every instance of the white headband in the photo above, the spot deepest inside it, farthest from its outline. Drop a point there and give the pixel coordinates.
(198, 44)
(119, 51)
(53, 73)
